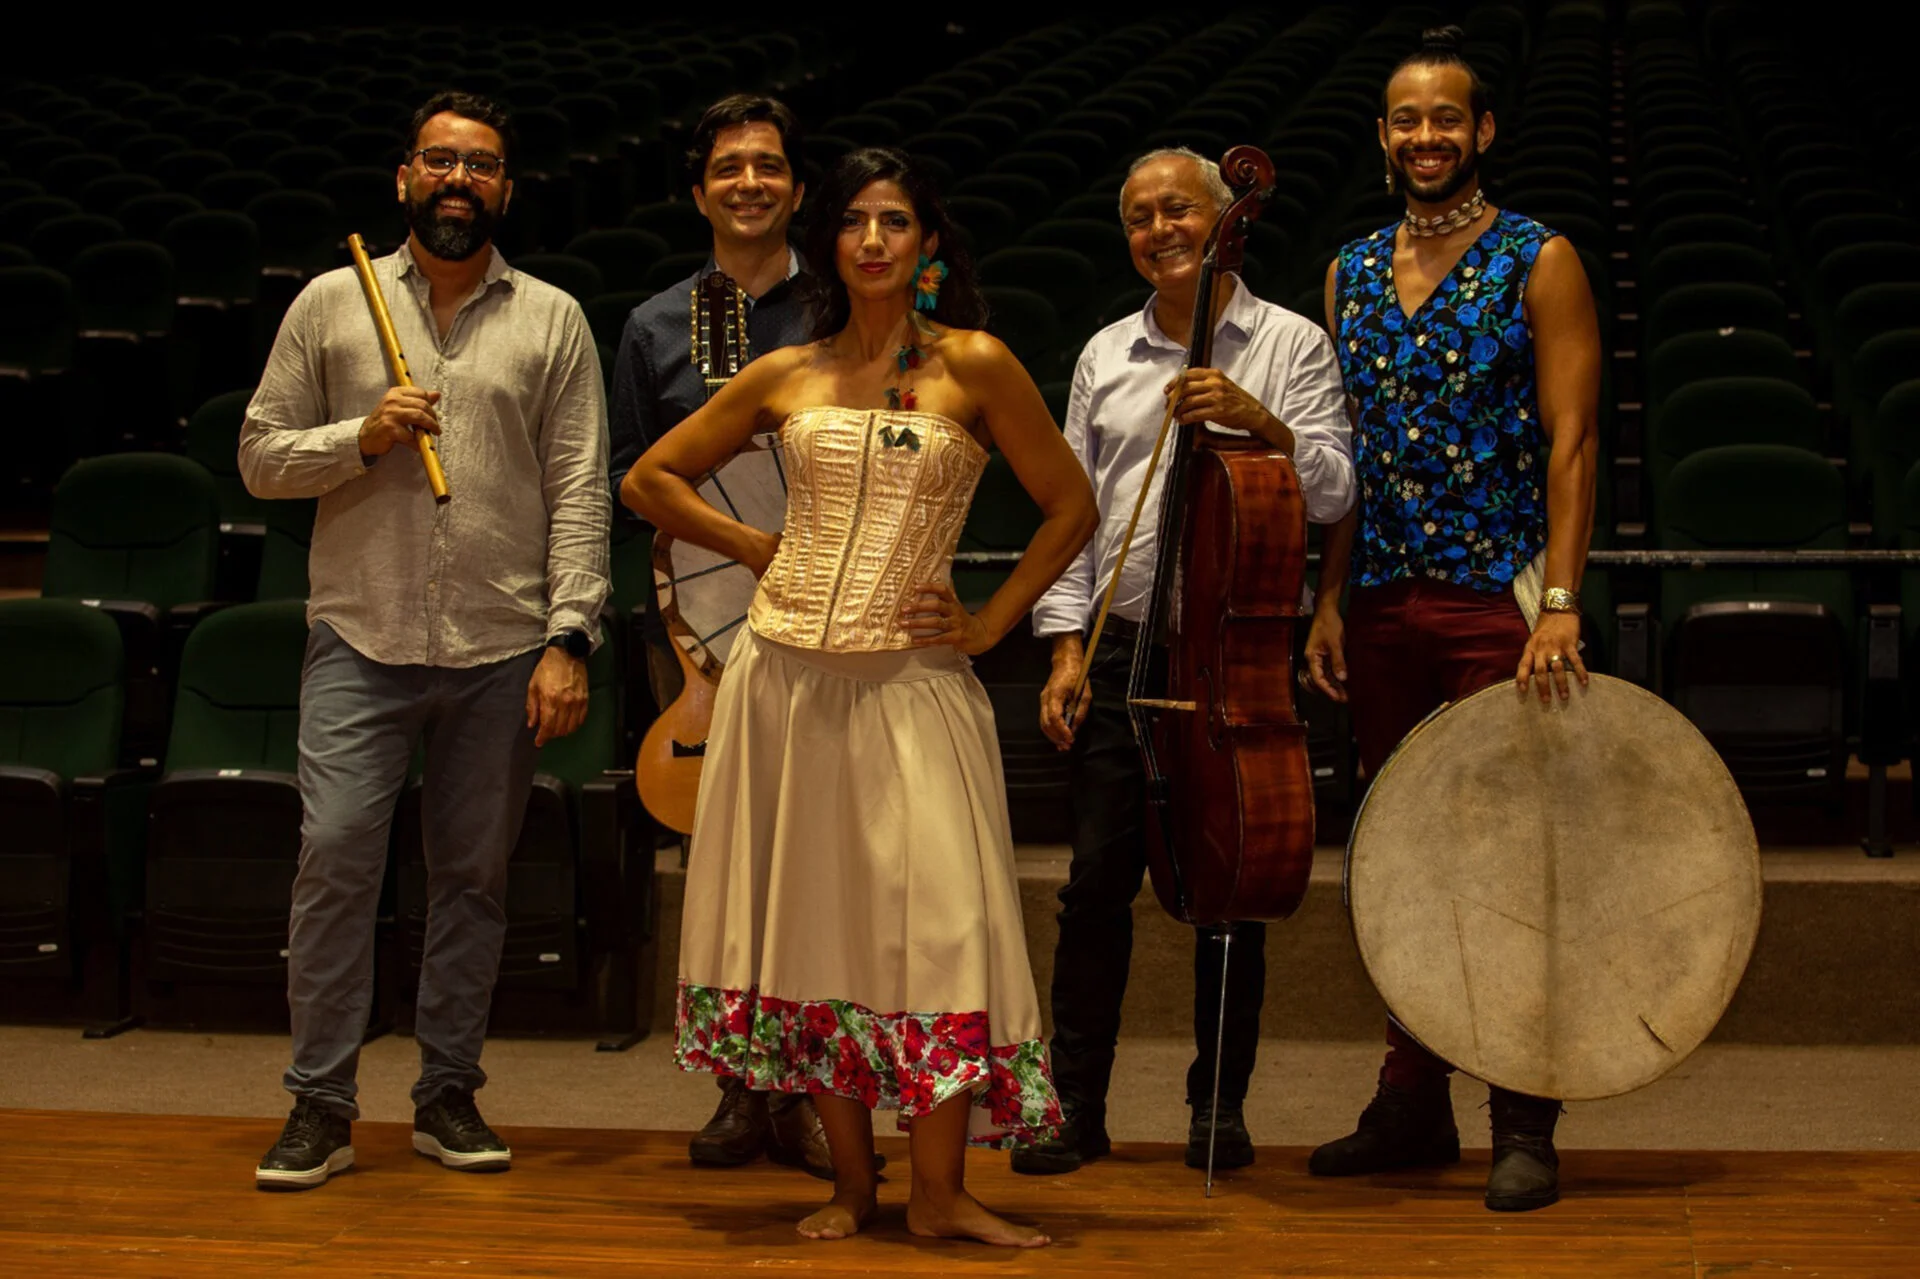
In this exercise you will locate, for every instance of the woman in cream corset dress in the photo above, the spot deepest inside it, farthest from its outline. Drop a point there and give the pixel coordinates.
(852, 925)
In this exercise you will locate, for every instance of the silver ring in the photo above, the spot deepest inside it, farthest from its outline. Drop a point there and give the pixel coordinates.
(1555, 660)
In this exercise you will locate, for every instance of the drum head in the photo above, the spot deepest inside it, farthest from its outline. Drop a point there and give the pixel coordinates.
(1559, 900)
(704, 596)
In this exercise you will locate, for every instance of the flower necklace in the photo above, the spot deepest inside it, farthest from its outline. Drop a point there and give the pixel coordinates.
(1453, 220)
(902, 399)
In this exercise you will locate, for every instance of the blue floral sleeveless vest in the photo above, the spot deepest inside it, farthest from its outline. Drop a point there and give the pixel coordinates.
(1448, 451)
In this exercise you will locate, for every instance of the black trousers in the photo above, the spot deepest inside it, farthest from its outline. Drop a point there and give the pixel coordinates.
(1092, 957)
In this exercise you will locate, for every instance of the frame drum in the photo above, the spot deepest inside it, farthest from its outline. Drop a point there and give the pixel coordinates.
(1559, 900)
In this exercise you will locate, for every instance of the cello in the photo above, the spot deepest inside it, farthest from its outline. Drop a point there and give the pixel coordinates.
(1211, 690)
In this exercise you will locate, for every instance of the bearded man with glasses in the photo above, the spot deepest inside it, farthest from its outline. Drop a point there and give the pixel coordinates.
(463, 627)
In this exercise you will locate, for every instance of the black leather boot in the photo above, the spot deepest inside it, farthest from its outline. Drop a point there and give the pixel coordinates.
(1232, 1143)
(738, 1130)
(1083, 1137)
(1526, 1168)
(1398, 1129)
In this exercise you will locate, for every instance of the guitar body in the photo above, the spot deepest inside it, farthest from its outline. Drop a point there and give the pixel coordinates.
(667, 771)
(703, 596)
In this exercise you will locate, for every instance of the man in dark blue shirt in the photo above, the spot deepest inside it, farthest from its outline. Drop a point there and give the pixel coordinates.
(742, 164)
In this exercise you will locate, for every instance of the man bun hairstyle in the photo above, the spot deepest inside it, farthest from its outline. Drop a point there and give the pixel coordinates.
(1440, 47)
(742, 108)
(470, 106)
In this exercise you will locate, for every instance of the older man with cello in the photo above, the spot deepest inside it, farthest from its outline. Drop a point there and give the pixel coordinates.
(1272, 376)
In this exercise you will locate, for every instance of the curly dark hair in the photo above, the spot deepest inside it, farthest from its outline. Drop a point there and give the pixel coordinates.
(960, 305)
(1440, 47)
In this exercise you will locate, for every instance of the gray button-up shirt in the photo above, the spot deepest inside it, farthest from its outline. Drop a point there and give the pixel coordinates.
(1113, 417)
(520, 553)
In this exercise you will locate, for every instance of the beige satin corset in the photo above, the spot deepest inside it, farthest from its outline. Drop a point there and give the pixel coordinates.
(875, 501)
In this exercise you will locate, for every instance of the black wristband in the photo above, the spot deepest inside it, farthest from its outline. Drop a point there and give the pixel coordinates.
(573, 642)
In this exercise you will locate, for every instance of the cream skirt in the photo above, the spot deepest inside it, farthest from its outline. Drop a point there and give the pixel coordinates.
(852, 921)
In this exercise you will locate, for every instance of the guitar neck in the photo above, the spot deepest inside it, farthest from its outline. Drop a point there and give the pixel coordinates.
(719, 331)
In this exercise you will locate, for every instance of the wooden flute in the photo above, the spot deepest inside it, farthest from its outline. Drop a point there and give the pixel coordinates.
(397, 362)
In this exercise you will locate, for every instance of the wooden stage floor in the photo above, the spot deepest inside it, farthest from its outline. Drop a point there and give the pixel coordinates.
(96, 1194)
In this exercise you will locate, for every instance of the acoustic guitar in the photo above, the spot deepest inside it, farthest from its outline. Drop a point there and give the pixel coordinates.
(703, 597)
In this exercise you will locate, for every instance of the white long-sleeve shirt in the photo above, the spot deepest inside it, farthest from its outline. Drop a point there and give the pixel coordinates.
(1119, 396)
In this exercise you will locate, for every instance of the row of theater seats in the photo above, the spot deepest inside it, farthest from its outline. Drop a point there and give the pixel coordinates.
(174, 872)
(120, 886)
(1780, 296)
(1030, 140)
(140, 532)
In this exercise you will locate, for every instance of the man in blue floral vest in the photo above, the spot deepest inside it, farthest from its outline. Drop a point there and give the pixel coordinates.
(1471, 356)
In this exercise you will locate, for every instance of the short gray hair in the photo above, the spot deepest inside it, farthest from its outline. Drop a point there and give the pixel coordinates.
(1217, 189)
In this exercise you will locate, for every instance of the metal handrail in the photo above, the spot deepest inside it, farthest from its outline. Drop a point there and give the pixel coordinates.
(1665, 559)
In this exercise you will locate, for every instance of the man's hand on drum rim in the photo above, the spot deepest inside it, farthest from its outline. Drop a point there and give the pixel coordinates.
(1552, 652)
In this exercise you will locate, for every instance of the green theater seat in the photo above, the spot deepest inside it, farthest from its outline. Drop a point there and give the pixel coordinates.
(1711, 412)
(70, 862)
(1713, 353)
(576, 277)
(1759, 659)
(1892, 451)
(225, 827)
(1691, 308)
(213, 440)
(1705, 264)
(136, 536)
(622, 256)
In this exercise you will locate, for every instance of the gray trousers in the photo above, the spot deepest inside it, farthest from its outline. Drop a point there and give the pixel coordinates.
(359, 724)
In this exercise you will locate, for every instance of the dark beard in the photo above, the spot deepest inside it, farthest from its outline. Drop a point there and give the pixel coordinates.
(451, 239)
(1447, 188)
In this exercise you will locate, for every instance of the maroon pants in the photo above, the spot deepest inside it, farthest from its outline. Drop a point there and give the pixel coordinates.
(1413, 645)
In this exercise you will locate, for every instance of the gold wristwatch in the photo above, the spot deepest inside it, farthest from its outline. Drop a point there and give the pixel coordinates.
(1558, 599)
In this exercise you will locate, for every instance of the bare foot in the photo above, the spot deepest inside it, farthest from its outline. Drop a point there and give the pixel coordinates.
(966, 1218)
(844, 1214)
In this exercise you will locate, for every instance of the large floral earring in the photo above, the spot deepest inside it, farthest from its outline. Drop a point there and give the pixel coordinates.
(932, 273)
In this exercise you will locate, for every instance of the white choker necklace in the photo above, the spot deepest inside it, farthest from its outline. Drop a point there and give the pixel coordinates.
(1426, 228)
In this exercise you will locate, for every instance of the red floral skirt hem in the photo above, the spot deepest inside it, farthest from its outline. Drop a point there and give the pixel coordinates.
(907, 1061)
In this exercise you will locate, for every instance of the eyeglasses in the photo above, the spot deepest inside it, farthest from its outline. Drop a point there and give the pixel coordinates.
(482, 166)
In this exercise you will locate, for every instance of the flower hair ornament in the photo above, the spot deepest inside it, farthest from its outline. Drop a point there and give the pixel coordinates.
(931, 274)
